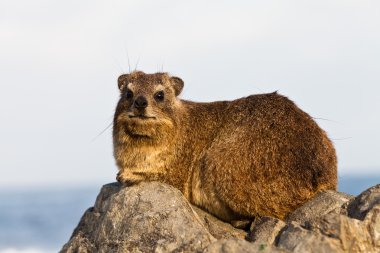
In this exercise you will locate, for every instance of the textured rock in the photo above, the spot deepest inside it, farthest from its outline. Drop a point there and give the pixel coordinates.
(149, 217)
(155, 217)
(297, 239)
(352, 235)
(334, 232)
(218, 228)
(265, 230)
(359, 207)
(240, 246)
(323, 203)
(373, 224)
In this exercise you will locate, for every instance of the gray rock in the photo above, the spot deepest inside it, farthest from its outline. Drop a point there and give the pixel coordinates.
(240, 246)
(373, 224)
(328, 229)
(265, 230)
(362, 204)
(149, 217)
(353, 235)
(323, 203)
(102, 200)
(297, 239)
(155, 217)
(218, 228)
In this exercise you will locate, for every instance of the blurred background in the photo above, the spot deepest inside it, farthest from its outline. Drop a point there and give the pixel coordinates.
(59, 62)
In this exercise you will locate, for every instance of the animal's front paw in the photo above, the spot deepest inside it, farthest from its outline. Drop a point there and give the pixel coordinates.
(128, 178)
(119, 178)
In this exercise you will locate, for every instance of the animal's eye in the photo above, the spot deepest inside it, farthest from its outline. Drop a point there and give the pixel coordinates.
(129, 94)
(159, 96)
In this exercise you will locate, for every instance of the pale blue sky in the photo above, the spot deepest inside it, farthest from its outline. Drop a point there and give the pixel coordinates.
(59, 61)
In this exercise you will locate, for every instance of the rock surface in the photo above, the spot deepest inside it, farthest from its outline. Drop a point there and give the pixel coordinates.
(297, 239)
(324, 202)
(218, 228)
(149, 217)
(240, 246)
(336, 232)
(155, 217)
(359, 207)
(265, 230)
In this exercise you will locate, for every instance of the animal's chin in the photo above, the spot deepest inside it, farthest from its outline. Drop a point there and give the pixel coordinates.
(141, 126)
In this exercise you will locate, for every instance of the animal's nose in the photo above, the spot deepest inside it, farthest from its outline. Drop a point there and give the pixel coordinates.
(141, 102)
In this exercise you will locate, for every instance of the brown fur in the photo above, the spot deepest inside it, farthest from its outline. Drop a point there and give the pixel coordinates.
(255, 156)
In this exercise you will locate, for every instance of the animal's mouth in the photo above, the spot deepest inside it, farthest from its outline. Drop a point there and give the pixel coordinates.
(140, 116)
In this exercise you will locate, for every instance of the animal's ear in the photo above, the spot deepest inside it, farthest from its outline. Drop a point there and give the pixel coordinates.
(122, 81)
(177, 84)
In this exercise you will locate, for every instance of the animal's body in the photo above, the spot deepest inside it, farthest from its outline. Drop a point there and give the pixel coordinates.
(256, 156)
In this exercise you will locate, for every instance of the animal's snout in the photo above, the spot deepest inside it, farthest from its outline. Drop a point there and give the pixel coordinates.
(141, 102)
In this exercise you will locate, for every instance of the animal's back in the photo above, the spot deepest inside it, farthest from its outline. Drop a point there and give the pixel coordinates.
(266, 158)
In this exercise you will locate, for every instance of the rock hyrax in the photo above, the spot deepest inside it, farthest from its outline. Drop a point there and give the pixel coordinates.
(255, 156)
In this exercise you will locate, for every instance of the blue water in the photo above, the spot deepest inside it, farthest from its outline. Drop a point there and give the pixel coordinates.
(41, 219)
(45, 219)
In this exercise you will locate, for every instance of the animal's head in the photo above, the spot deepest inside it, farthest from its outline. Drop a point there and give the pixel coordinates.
(147, 105)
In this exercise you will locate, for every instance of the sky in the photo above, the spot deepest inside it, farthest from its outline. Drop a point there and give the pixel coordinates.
(59, 62)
